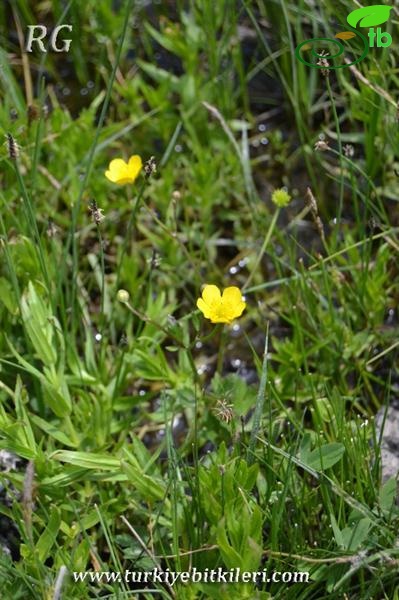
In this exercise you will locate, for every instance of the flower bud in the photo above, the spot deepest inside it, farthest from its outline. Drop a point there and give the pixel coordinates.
(123, 296)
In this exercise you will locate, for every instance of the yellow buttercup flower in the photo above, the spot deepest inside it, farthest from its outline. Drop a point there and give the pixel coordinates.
(122, 172)
(221, 308)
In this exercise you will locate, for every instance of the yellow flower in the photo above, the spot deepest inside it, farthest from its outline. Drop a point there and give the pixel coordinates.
(221, 308)
(281, 197)
(122, 172)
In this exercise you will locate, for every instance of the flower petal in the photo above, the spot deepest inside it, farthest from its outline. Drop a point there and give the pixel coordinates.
(232, 311)
(232, 303)
(232, 294)
(117, 170)
(135, 165)
(206, 310)
(211, 295)
(123, 180)
(219, 319)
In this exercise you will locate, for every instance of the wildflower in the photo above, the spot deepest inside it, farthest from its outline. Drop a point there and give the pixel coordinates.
(122, 172)
(281, 197)
(221, 308)
(123, 296)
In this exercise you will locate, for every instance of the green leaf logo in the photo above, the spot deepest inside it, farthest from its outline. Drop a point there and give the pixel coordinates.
(369, 16)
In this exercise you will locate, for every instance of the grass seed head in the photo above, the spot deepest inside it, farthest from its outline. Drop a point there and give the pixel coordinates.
(12, 147)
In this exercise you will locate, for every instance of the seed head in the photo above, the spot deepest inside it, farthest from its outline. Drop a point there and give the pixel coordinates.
(12, 146)
(96, 212)
(323, 62)
(281, 197)
(224, 411)
(349, 150)
(52, 229)
(321, 146)
(150, 167)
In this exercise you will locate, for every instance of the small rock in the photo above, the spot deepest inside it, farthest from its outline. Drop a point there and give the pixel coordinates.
(387, 421)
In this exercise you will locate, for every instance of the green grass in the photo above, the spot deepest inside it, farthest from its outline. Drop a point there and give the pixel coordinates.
(148, 436)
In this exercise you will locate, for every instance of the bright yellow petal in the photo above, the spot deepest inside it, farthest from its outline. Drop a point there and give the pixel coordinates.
(219, 319)
(232, 294)
(233, 311)
(112, 176)
(123, 180)
(118, 165)
(134, 166)
(232, 303)
(211, 295)
(205, 309)
(135, 162)
(117, 170)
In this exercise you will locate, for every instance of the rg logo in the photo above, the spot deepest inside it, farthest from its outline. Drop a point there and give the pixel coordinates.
(32, 37)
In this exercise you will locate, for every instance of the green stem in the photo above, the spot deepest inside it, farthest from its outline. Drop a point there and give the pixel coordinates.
(130, 227)
(72, 240)
(222, 346)
(101, 321)
(263, 249)
(32, 224)
(341, 156)
(260, 401)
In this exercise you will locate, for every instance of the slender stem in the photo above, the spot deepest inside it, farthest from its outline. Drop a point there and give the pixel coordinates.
(76, 208)
(221, 352)
(130, 227)
(143, 317)
(263, 249)
(4, 243)
(260, 401)
(32, 223)
(102, 263)
(341, 159)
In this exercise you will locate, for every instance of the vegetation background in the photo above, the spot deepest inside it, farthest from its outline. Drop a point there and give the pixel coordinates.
(137, 433)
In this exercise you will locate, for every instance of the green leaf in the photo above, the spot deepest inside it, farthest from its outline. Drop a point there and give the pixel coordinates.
(7, 296)
(39, 324)
(52, 430)
(324, 457)
(337, 532)
(48, 537)
(87, 460)
(354, 536)
(231, 557)
(148, 487)
(17, 449)
(26, 434)
(369, 16)
(387, 494)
